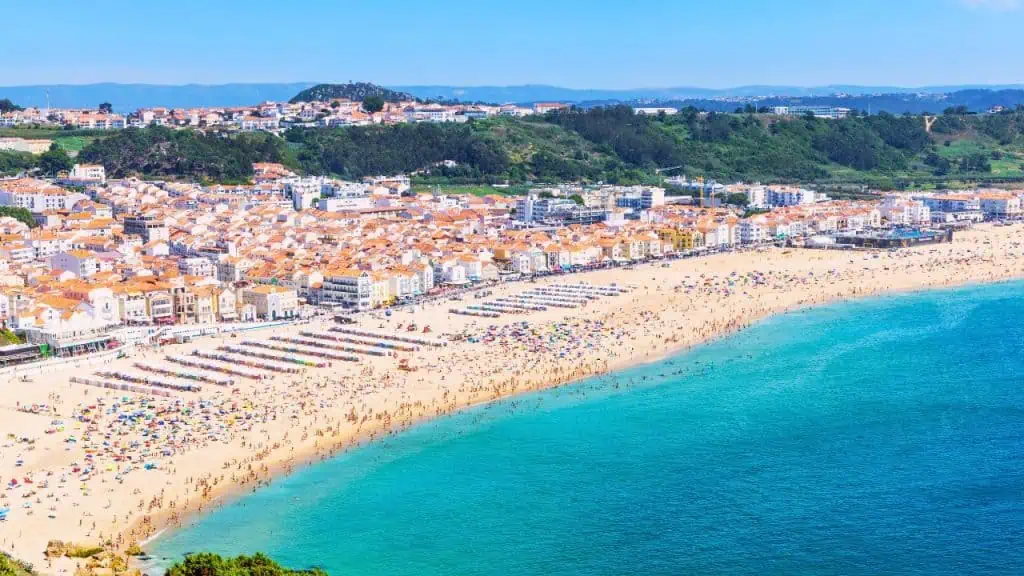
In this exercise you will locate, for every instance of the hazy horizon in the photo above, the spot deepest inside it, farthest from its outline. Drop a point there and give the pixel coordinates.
(571, 44)
(943, 85)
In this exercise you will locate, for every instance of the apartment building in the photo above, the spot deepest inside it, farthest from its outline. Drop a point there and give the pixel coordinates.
(826, 112)
(85, 175)
(82, 263)
(36, 195)
(272, 302)
(147, 227)
(351, 288)
(196, 266)
(999, 206)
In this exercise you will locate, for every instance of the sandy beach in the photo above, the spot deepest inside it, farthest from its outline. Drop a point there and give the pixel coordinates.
(93, 465)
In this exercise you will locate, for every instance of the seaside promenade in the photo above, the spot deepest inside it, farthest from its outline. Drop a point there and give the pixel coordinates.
(191, 449)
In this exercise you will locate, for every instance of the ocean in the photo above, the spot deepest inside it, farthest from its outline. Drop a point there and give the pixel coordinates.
(882, 436)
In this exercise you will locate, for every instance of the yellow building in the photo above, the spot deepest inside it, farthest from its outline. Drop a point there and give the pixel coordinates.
(681, 239)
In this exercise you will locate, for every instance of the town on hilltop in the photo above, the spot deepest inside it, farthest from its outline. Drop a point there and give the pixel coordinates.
(270, 116)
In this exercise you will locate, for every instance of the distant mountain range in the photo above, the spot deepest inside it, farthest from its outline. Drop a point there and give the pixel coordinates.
(538, 92)
(128, 97)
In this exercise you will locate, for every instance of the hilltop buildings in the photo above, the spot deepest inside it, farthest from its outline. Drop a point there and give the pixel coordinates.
(267, 116)
(827, 112)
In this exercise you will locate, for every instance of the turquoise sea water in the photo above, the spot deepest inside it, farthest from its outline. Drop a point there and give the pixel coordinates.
(876, 437)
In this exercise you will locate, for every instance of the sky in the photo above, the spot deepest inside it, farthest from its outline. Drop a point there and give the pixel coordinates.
(571, 43)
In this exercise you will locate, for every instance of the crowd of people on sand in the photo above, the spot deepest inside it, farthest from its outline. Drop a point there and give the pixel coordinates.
(271, 426)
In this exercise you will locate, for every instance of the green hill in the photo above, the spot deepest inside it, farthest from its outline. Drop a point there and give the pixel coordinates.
(355, 91)
(489, 150)
(601, 144)
(159, 152)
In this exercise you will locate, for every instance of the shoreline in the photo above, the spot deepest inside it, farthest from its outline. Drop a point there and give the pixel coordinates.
(234, 493)
(670, 311)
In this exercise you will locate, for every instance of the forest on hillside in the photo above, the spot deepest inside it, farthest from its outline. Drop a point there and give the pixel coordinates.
(602, 144)
(161, 152)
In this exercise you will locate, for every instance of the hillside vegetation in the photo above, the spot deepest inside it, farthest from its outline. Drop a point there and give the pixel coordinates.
(206, 564)
(160, 152)
(12, 163)
(609, 144)
(869, 149)
(11, 567)
(356, 91)
(22, 215)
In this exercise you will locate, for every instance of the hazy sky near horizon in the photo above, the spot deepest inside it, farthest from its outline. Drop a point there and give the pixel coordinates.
(571, 43)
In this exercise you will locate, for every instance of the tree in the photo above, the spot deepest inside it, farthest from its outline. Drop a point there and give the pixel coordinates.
(20, 214)
(158, 151)
(940, 164)
(206, 564)
(54, 161)
(15, 162)
(977, 162)
(106, 107)
(373, 104)
(8, 106)
(5, 567)
(577, 199)
(737, 199)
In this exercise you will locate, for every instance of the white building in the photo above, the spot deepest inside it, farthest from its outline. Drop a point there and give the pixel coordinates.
(254, 123)
(1000, 205)
(656, 111)
(652, 197)
(790, 197)
(272, 302)
(197, 267)
(16, 252)
(303, 191)
(146, 227)
(430, 114)
(351, 288)
(827, 112)
(899, 211)
(46, 245)
(82, 263)
(340, 203)
(39, 198)
(88, 173)
(752, 231)
(756, 197)
(952, 203)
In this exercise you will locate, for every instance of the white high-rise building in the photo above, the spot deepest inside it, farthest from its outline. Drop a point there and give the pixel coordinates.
(652, 197)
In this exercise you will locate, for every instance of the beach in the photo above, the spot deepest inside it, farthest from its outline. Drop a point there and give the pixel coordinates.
(201, 447)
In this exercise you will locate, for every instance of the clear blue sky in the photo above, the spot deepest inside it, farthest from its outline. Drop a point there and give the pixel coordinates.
(572, 43)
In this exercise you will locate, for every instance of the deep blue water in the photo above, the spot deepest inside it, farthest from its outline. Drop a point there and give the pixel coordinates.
(883, 436)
